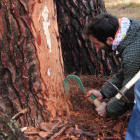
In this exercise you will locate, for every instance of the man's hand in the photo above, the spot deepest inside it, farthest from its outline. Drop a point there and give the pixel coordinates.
(102, 109)
(96, 93)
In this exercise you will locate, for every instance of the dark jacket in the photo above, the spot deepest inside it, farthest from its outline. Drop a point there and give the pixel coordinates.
(129, 53)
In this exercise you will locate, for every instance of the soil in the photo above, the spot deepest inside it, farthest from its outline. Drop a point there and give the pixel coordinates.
(123, 8)
(83, 122)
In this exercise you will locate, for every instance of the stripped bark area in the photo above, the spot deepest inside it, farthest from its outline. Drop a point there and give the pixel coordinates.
(31, 66)
(79, 53)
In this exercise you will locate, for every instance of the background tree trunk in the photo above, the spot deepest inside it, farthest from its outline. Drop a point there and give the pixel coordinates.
(31, 65)
(79, 54)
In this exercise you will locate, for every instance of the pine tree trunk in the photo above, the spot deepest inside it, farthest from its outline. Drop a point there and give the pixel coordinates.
(79, 54)
(31, 65)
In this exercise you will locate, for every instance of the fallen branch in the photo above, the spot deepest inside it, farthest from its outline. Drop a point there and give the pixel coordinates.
(40, 133)
(18, 115)
(44, 128)
(31, 133)
(81, 132)
(54, 129)
(58, 134)
(111, 138)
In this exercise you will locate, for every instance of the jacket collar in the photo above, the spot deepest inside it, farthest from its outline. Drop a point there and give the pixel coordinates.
(132, 32)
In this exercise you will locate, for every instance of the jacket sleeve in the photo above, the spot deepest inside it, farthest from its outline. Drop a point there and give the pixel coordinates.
(108, 90)
(129, 68)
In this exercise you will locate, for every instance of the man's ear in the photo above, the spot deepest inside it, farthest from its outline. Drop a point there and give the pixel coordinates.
(109, 40)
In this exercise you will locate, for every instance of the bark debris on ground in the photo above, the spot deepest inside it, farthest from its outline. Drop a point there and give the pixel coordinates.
(83, 123)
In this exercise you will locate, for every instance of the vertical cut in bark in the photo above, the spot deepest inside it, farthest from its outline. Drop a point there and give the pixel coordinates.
(31, 65)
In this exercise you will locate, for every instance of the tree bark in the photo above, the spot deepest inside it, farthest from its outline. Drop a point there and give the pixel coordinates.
(31, 65)
(79, 54)
(9, 129)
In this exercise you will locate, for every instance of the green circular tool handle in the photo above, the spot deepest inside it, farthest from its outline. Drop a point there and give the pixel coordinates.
(92, 97)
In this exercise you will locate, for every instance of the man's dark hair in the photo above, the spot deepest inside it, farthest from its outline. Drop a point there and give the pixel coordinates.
(102, 26)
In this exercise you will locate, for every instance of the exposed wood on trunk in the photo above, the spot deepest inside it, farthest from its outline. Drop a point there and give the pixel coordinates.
(31, 65)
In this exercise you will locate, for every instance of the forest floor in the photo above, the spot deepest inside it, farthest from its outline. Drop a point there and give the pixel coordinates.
(83, 122)
(123, 8)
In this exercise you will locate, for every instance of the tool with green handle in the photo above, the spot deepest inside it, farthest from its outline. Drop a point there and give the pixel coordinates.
(96, 102)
